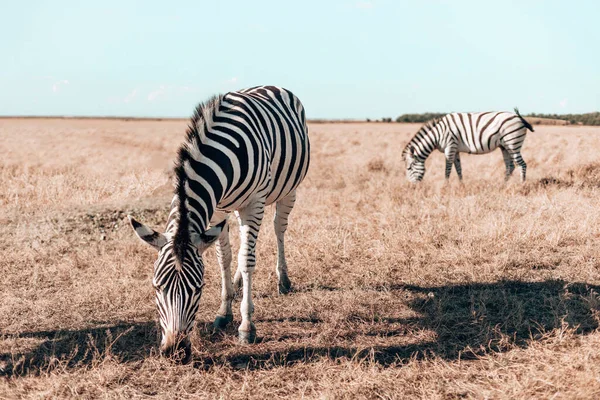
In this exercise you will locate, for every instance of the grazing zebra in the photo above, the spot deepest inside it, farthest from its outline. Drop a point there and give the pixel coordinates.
(243, 150)
(476, 133)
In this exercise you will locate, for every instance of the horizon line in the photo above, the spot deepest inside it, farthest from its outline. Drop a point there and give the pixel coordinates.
(316, 119)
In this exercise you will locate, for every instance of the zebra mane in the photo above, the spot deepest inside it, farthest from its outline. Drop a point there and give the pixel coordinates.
(195, 133)
(202, 114)
(425, 129)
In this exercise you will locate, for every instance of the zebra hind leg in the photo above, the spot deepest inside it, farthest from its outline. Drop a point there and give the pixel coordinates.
(508, 163)
(458, 166)
(518, 159)
(225, 314)
(282, 212)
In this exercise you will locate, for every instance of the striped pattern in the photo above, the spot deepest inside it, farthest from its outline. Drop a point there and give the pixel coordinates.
(243, 151)
(474, 133)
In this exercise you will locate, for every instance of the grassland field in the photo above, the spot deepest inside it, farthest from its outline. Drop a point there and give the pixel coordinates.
(432, 291)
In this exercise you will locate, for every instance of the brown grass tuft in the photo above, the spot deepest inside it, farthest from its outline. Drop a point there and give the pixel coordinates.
(376, 165)
(586, 175)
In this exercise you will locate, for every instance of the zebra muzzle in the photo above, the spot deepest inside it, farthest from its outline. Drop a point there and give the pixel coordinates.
(177, 347)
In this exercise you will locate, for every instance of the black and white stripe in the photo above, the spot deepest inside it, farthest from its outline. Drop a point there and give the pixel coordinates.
(243, 150)
(473, 133)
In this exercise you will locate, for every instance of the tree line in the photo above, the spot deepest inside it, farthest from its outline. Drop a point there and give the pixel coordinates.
(581, 119)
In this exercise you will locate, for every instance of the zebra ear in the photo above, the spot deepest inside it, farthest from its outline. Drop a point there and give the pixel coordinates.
(206, 239)
(148, 235)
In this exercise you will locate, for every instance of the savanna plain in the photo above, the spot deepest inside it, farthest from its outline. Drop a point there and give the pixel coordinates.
(434, 291)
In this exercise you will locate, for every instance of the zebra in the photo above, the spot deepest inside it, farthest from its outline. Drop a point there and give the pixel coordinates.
(473, 133)
(243, 151)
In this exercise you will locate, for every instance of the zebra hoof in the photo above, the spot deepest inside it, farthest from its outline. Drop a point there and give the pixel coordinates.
(247, 337)
(285, 286)
(221, 321)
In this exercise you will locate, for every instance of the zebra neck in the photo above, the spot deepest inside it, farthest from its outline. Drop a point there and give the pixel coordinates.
(198, 214)
(423, 147)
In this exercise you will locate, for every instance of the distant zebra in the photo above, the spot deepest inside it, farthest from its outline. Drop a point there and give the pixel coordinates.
(474, 133)
(244, 150)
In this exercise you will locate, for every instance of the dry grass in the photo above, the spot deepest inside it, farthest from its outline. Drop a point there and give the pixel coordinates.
(481, 290)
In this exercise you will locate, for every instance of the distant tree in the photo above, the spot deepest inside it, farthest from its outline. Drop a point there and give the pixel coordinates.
(420, 118)
(584, 119)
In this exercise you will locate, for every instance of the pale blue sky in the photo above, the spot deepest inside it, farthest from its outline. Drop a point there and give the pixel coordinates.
(344, 59)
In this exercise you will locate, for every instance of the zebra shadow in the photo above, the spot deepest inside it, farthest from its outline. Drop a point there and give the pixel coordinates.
(468, 321)
(77, 348)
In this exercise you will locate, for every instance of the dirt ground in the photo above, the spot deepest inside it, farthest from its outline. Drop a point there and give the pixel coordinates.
(434, 291)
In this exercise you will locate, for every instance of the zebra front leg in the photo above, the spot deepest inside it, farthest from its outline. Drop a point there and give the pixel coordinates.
(458, 166)
(521, 163)
(225, 314)
(282, 212)
(450, 154)
(508, 163)
(250, 219)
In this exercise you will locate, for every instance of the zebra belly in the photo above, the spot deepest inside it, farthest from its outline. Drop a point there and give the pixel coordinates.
(274, 194)
(479, 148)
(237, 201)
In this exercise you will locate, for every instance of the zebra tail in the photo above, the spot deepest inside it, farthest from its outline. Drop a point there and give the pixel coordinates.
(527, 124)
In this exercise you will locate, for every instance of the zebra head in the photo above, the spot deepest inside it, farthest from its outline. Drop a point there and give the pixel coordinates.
(415, 167)
(178, 282)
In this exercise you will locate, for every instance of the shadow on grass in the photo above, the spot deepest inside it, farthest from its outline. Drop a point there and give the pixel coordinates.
(468, 320)
(77, 348)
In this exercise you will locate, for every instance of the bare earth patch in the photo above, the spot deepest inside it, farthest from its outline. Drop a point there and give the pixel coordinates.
(479, 290)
